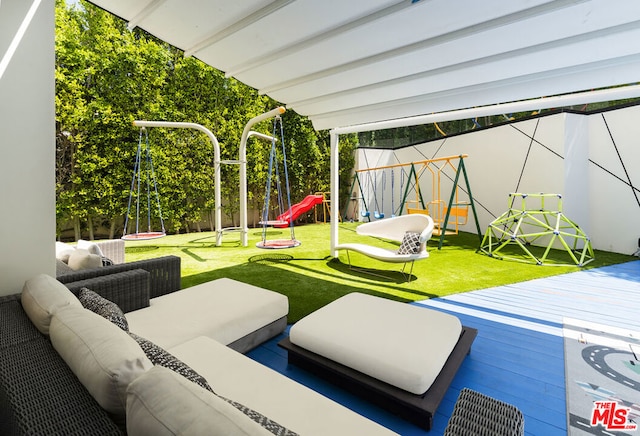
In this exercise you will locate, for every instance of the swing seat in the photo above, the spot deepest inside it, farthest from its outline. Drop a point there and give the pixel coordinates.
(378, 215)
(365, 214)
(393, 229)
(143, 236)
(274, 223)
(275, 244)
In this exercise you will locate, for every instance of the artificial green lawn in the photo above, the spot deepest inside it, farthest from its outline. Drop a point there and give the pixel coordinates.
(311, 278)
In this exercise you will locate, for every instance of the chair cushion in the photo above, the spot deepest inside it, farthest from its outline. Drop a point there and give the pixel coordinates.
(161, 402)
(103, 357)
(103, 307)
(42, 296)
(63, 251)
(81, 259)
(91, 247)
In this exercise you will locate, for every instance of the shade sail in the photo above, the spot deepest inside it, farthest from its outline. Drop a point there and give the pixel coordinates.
(346, 62)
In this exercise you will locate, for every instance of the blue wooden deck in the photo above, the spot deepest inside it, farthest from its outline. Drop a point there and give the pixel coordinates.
(518, 356)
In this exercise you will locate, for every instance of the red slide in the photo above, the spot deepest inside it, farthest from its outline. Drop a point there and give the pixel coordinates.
(298, 209)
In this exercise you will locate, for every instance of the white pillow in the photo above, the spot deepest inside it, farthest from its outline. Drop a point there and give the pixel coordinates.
(81, 259)
(161, 402)
(42, 296)
(103, 357)
(91, 247)
(63, 251)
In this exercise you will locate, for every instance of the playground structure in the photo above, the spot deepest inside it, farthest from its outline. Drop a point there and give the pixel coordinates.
(308, 203)
(448, 214)
(538, 225)
(241, 162)
(326, 207)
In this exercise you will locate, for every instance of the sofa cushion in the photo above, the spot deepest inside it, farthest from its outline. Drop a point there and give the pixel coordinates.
(103, 307)
(103, 357)
(41, 296)
(159, 356)
(81, 259)
(161, 402)
(235, 376)
(223, 309)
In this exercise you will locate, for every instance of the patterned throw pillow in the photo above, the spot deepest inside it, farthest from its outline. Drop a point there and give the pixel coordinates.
(103, 307)
(159, 356)
(410, 243)
(106, 261)
(258, 417)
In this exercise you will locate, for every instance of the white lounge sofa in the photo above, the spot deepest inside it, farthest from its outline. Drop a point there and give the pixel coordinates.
(132, 381)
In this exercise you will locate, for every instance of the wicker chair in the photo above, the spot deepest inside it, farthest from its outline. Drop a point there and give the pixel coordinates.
(480, 415)
(130, 285)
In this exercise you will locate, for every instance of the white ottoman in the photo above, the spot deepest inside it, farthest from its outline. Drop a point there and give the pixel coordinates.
(398, 349)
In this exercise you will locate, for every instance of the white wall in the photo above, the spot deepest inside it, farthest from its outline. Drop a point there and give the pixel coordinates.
(27, 145)
(568, 154)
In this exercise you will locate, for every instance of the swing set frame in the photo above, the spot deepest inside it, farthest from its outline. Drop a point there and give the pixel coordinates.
(447, 216)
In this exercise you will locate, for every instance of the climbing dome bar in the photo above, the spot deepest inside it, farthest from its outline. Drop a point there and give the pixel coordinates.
(529, 227)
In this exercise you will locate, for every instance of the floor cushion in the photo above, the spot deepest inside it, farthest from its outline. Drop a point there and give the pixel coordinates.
(400, 344)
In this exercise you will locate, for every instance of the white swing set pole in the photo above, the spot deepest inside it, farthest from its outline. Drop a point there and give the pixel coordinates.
(216, 163)
(244, 226)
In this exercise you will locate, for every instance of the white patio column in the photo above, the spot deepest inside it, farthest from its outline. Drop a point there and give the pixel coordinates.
(335, 188)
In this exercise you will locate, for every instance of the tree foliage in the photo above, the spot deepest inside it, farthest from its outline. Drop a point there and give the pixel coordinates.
(108, 76)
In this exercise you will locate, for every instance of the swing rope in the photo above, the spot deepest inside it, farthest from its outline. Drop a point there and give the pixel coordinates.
(265, 212)
(136, 185)
(377, 213)
(365, 211)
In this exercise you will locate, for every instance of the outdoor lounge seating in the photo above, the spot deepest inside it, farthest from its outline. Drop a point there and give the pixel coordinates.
(400, 356)
(65, 369)
(83, 265)
(412, 231)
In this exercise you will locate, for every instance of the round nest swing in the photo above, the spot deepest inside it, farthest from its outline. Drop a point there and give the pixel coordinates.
(275, 244)
(143, 236)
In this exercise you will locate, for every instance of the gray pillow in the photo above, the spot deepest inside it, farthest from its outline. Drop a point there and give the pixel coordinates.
(62, 268)
(103, 307)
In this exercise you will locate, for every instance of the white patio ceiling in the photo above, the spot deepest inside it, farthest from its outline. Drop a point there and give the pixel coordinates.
(346, 62)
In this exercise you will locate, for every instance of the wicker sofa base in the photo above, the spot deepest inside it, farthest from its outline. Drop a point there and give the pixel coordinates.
(39, 394)
(479, 414)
